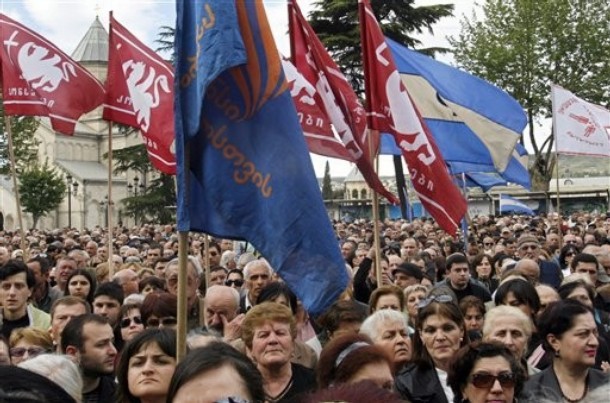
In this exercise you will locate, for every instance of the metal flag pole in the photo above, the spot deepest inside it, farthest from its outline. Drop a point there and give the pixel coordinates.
(110, 203)
(11, 152)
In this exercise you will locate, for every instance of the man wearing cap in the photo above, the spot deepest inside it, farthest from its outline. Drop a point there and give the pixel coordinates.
(407, 274)
(528, 247)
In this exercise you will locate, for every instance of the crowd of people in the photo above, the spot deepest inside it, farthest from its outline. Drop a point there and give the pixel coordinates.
(518, 309)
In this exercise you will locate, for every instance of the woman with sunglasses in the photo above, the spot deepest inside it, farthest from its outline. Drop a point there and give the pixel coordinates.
(440, 332)
(568, 330)
(484, 372)
(160, 310)
(131, 321)
(565, 258)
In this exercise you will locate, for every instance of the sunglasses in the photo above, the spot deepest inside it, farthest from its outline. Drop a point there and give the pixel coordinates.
(484, 380)
(443, 299)
(237, 283)
(32, 351)
(166, 322)
(570, 242)
(529, 247)
(569, 254)
(127, 321)
(488, 244)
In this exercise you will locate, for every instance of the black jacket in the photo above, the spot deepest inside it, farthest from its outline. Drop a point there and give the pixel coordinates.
(420, 385)
(544, 385)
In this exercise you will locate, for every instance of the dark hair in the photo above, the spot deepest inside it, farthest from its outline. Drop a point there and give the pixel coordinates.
(478, 259)
(72, 335)
(130, 307)
(450, 311)
(523, 291)
(341, 312)
(558, 318)
(466, 358)
(69, 301)
(13, 267)
(233, 271)
(22, 386)
(583, 257)
(213, 356)
(470, 301)
(357, 350)
(161, 305)
(86, 273)
(112, 290)
(566, 289)
(276, 289)
(45, 264)
(162, 259)
(218, 268)
(454, 258)
(153, 281)
(363, 391)
(164, 338)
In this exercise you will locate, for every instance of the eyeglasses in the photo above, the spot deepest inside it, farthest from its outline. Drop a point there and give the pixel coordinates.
(32, 351)
(571, 242)
(529, 247)
(237, 283)
(127, 321)
(488, 243)
(166, 322)
(443, 299)
(484, 380)
(570, 254)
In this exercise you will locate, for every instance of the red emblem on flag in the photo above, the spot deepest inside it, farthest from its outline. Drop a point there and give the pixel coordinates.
(140, 93)
(38, 79)
(392, 111)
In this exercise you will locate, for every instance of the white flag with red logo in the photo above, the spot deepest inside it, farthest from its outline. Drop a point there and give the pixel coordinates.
(392, 111)
(324, 87)
(38, 79)
(580, 127)
(140, 93)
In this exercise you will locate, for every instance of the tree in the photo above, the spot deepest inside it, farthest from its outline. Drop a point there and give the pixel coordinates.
(523, 46)
(327, 188)
(336, 24)
(24, 142)
(42, 189)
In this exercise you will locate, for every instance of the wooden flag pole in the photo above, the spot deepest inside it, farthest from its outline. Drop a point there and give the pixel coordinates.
(206, 260)
(182, 302)
(376, 230)
(110, 203)
(11, 152)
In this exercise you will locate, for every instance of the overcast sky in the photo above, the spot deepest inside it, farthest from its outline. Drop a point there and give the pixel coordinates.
(64, 22)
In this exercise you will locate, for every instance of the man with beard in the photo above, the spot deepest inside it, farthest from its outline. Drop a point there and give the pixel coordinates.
(221, 312)
(90, 340)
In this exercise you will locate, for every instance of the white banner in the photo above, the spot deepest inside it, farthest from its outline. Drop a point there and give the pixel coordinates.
(580, 127)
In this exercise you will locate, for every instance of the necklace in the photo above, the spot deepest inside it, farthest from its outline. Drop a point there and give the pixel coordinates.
(567, 399)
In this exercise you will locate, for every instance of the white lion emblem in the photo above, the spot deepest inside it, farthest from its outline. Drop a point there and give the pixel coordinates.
(42, 71)
(138, 87)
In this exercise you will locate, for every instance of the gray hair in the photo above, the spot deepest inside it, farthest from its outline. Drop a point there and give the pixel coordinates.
(226, 257)
(371, 326)
(190, 259)
(255, 264)
(59, 369)
(223, 288)
(506, 310)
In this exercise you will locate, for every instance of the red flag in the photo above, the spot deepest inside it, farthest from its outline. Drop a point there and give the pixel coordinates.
(391, 110)
(140, 93)
(335, 95)
(38, 79)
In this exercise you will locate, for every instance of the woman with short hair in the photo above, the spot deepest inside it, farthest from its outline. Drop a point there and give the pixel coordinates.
(387, 297)
(29, 342)
(389, 330)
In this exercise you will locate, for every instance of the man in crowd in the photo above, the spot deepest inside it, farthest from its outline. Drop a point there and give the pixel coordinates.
(90, 340)
(218, 275)
(459, 281)
(221, 313)
(528, 247)
(62, 311)
(407, 274)
(257, 274)
(16, 285)
(64, 268)
(43, 294)
(410, 248)
(107, 302)
(128, 280)
(193, 280)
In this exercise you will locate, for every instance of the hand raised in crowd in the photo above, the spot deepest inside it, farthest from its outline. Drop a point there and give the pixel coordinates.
(232, 329)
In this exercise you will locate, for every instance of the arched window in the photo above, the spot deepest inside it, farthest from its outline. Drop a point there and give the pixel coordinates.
(354, 193)
(363, 194)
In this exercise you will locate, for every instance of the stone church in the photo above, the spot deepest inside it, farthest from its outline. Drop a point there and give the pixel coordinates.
(80, 157)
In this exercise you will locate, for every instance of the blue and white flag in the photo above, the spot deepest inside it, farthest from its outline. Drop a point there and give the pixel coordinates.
(511, 205)
(244, 171)
(472, 121)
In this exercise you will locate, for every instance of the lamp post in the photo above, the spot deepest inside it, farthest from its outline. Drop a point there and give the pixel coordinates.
(72, 187)
(105, 207)
(135, 189)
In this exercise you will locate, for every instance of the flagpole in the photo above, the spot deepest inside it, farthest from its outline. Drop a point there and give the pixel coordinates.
(11, 152)
(290, 6)
(554, 133)
(109, 204)
(206, 261)
(182, 302)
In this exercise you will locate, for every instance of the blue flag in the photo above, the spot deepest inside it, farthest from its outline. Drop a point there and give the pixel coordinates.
(472, 121)
(244, 171)
(511, 205)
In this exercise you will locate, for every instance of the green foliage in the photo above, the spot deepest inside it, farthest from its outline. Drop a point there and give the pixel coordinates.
(327, 189)
(42, 189)
(523, 46)
(165, 40)
(336, 24)
(24, 142)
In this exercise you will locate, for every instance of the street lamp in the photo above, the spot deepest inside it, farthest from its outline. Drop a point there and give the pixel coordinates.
(72, 189)
(136, 188)
(105, 205)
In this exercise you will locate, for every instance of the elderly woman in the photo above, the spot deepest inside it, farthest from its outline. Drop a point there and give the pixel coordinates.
(352, 358)
(414, 294)
(387, 297)
(389, 330)
(269, 331)
(439, 334)
(29, 342)
(511, 327)
(60, 369)
(485, 372)
(131, 321)
(569, 332)
(215, 373)
(146, 367)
